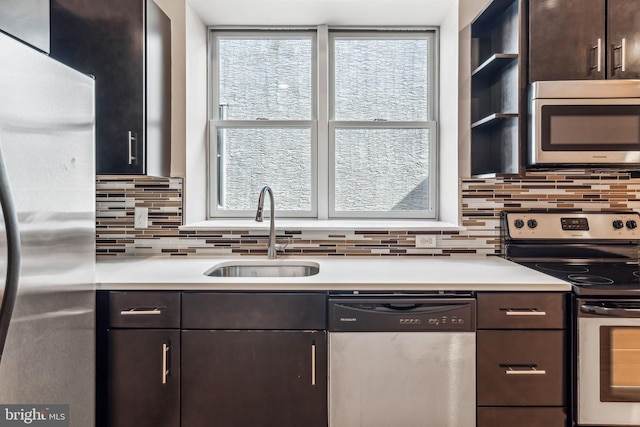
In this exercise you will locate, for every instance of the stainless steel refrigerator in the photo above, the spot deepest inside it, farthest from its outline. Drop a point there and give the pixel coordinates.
(47, 122)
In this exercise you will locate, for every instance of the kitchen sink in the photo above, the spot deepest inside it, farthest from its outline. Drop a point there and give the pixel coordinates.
(263, 269)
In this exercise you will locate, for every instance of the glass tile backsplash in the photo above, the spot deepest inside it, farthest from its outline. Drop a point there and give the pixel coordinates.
(482, 201)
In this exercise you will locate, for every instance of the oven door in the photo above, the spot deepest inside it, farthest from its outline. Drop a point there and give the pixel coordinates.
(608, 362)
(585, 131)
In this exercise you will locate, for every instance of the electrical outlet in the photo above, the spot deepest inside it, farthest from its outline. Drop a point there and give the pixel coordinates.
(425, 241)
(141, 218)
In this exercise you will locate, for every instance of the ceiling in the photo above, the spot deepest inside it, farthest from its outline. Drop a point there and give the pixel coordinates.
(330, 12)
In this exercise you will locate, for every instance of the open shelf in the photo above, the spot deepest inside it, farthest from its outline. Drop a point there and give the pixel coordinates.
(495, 90)
(494, 65)
(493, 119)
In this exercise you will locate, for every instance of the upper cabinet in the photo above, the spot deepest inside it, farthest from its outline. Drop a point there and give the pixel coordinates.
(584, 39)
(126, 45)
(495, 89)
(623, 39)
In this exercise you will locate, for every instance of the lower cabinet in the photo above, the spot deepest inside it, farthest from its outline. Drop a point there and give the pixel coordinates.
(190, 359)
(138, 359)
(144, 378)
(529, 417)
(254, 378)
(522, 370)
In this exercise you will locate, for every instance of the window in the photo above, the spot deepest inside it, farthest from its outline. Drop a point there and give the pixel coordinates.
(350, 133)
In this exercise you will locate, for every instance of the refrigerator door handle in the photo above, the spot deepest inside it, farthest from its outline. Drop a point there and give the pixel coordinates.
(13, 254)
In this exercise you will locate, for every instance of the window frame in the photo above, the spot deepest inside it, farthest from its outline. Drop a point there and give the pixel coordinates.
(216, 122)
(323, 125)
(430, 123)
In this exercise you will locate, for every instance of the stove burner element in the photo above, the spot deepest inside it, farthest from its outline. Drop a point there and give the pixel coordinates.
(589, 279)
(563, 268)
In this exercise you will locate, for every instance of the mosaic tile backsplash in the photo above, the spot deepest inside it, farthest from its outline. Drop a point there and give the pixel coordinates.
(482, 202)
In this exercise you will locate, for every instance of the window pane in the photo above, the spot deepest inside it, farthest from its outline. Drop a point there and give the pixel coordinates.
(381, 79)
(381, 170)
(252, 157)
(268, 78)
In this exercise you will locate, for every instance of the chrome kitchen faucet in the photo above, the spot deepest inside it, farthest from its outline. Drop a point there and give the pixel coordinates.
(272, 247)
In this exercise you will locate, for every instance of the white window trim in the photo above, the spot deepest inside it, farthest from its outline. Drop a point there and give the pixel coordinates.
(431, 123)
(216, 122)
(322, 129)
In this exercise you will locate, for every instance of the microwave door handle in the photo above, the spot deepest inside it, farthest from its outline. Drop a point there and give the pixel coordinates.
(609, 311)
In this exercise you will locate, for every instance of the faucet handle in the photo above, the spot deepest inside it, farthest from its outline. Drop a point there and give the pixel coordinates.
(282, 246)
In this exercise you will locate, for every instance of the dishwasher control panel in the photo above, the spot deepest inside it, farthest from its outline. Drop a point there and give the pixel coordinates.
(363, 314)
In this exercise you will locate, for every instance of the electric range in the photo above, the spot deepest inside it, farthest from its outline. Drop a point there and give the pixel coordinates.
(597, 252)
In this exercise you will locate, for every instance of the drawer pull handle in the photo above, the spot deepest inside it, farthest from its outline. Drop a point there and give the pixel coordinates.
(531, 371)
(137, 312)
(532, 312)
(165, 370)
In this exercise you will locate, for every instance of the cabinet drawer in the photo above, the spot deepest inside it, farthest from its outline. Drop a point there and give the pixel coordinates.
(522, 417)
(254, 310)
(521, 310)
(144, 309)
(521, 368)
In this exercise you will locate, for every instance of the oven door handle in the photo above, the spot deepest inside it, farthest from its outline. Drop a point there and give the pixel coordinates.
(609, 311)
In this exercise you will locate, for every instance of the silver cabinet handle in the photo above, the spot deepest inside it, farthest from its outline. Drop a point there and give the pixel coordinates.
(135, 312)
(133, 138)
(165, 370)
(531, 312)
(598, 49)
(531, 371)
(313, 364)
(623, 55)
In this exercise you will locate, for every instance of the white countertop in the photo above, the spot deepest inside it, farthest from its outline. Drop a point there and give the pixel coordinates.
(472, 273)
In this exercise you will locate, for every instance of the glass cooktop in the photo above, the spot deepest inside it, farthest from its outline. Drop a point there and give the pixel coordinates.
(594, 278)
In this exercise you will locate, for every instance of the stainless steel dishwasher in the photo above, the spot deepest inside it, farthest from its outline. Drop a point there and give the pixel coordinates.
(402, 360)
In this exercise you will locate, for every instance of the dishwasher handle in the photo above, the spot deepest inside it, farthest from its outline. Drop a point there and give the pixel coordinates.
(401, 307)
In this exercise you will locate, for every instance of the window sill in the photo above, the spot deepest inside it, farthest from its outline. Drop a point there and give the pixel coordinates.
(322, 225)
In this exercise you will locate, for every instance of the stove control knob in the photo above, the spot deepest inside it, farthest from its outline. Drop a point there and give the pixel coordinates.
(518, 223)
(618, 224)
(631, 224)
(532, 223)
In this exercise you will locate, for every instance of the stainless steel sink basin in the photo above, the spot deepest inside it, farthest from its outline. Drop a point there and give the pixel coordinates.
(263, 269)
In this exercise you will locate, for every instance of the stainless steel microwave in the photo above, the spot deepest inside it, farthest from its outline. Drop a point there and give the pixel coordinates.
(594, 122)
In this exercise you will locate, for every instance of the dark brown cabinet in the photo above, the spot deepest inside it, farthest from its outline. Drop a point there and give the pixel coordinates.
(126, 45)
(522, 370)
(256, 359)
(584, 39)
(138, 359)
(166, 359)
(254, 378)
(144, 378)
